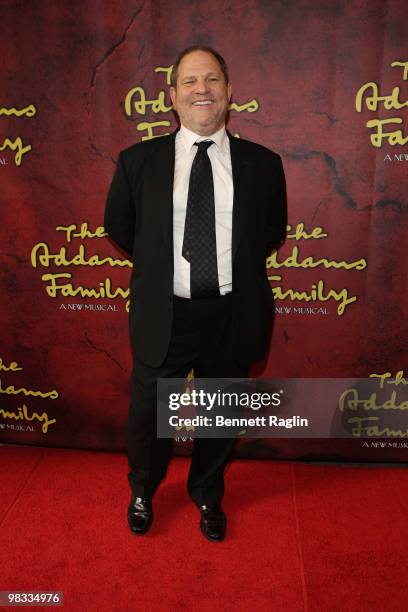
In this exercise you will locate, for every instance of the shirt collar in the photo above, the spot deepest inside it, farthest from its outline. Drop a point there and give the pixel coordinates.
(220, 138)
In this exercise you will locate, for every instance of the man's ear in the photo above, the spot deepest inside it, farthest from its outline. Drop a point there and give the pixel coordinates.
(229, 92)
(173, 96)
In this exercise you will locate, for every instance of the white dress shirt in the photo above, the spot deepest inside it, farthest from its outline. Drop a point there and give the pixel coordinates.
(220, 157)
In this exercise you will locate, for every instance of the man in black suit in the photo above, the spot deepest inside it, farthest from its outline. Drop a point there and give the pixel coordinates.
(198, 212)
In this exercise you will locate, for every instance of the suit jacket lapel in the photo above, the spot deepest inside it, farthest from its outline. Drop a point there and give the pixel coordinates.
(242, 176)
(161, 179)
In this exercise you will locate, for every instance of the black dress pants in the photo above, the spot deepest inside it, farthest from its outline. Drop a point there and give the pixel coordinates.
(201, 339)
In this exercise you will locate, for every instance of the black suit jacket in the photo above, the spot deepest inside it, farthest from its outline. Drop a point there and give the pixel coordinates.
(139, 218)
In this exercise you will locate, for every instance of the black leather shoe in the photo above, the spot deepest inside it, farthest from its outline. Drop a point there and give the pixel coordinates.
(140, 515)
(213, 523)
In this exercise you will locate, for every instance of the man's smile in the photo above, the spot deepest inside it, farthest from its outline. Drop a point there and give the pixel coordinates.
(203, 102)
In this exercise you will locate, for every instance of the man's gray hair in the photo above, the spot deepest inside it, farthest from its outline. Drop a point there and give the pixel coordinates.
(218, 57)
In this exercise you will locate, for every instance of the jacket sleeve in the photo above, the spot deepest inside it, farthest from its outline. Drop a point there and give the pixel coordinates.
(120, 214)
(277, 214)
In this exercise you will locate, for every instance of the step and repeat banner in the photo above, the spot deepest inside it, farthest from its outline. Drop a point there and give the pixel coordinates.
(324, 84)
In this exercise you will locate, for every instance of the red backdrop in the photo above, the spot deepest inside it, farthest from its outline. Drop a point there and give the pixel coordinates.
(83, 81)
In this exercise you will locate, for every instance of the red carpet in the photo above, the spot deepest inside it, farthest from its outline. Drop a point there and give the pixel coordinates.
(300, 537)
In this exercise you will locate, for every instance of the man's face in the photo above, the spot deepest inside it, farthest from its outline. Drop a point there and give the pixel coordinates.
(201, 95)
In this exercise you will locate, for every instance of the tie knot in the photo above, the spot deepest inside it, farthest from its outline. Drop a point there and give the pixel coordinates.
(203, 145)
